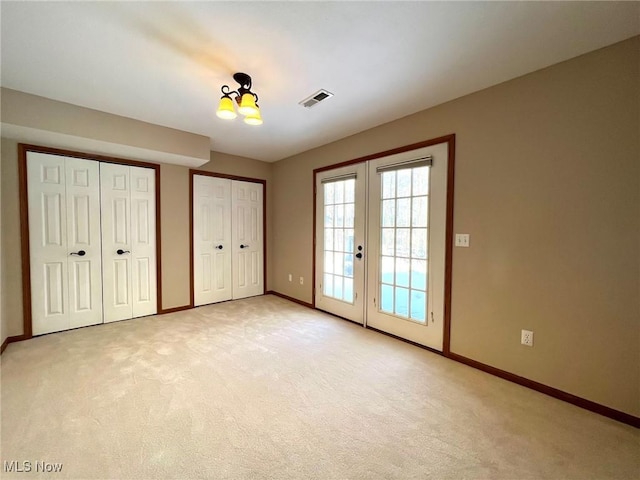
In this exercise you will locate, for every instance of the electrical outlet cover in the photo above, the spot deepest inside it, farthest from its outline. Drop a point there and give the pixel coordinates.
(526, 338)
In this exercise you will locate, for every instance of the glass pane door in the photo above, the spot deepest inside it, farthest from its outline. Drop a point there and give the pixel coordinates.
(340, 241)
(406, 232)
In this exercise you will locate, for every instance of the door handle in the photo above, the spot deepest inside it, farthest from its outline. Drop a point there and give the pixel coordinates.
(244, 246)
(219, 247)
(359, 255)
(80, 253)
(122, 252)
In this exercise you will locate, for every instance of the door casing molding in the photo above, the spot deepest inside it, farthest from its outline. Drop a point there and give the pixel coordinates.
(23, 149)
(450, 140)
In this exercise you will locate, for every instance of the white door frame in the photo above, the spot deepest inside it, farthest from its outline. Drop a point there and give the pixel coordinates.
(192, 173)
(449, 140)
(27, 324)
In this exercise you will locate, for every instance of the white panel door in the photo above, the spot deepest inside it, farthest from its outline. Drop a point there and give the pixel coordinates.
(340, 244)
(211, 239)
(143, 241)
(247, 238)
(64, 242)
(84, 242)
(48, 242)
(116, 241)
(128, 249)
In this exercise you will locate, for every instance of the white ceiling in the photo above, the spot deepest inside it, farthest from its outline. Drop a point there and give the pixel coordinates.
(165, 62)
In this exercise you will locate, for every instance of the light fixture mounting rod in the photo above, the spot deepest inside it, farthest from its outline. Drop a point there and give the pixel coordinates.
(243, 79)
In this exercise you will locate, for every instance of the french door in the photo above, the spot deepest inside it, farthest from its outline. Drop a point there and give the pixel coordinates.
(407, 219)
(340, 242)
(399, 218)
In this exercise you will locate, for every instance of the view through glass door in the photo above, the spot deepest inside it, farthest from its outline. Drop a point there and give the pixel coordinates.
(401, 208)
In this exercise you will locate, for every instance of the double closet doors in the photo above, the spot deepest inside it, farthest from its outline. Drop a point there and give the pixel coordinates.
(228, 240)
(380, 243)
(91, 241)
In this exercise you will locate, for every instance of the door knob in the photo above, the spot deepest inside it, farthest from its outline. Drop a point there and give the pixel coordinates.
(219, 247)
(122, 252)
(358, 255)
(244, 246)
(80, 253)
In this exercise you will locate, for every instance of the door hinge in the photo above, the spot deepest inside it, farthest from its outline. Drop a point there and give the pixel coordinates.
(432, 319)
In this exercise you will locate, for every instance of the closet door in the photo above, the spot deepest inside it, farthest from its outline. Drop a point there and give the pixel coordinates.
(247, 238)
(64, 242)
(116, 241)
(128, 250)
(143, 241)
(211, 239)
(83, 235)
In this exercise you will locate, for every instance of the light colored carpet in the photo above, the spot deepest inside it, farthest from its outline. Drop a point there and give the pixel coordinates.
(264, 388)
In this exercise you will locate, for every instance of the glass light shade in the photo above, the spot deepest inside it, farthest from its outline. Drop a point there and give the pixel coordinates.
(248, 105)
(254, 118)
(225, 109)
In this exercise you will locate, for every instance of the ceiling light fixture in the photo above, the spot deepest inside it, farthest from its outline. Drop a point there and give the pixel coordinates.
(247, 101)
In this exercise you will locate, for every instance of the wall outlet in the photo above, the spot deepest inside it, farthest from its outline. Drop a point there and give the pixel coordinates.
(301, 280)
(290, 277)
(526, 338)
(462, 239)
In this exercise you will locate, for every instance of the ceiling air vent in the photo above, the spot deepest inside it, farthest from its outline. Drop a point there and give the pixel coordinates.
(316, 98)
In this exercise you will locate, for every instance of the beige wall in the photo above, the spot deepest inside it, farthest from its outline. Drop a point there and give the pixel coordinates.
(174, 225)
(39, 113)
(547, 185)
(11, 295)
(174, 197)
